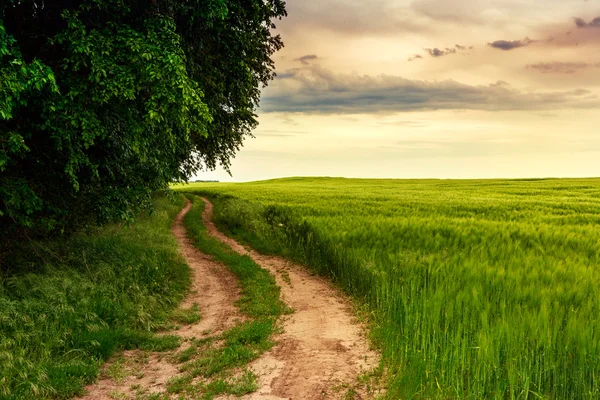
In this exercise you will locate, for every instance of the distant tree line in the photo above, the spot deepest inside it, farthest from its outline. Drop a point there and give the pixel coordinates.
(103, 102)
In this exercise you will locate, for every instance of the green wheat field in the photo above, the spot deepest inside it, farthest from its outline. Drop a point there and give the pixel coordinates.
(477, 288)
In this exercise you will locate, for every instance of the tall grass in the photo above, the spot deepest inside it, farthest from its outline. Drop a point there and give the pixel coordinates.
(481, 289)
(67, 304)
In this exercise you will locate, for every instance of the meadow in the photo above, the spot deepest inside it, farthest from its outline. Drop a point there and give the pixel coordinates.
(477, 288)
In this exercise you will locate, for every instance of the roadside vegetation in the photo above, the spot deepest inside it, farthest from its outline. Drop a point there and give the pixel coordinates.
(479, 289)
(68, 304)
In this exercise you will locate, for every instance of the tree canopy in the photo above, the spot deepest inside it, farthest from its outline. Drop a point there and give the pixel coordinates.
(103, 102)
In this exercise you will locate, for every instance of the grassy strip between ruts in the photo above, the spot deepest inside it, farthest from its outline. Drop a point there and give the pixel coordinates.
(67, 304)
(216, 365)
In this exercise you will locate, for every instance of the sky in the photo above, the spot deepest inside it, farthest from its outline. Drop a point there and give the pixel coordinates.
(430, 89)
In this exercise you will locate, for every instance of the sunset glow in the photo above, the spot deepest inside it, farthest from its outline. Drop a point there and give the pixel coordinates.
(430, 88)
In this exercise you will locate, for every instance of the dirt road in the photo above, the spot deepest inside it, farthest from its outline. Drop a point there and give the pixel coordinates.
(319, 354)
(322, 349)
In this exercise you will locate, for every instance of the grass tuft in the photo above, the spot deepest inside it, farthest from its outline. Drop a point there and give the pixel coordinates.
(186, 316)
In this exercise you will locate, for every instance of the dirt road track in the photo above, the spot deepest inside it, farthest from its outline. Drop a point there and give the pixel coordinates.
(214, 287)
(318, 356)
(322, 349)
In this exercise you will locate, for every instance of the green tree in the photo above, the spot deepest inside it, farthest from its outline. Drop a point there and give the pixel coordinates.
(103, 102)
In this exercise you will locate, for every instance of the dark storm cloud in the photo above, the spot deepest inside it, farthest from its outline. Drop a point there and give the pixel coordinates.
(306, 59)
(321, 91)
(511, 44)
(580, 23)
(561, 67)
(415, 57)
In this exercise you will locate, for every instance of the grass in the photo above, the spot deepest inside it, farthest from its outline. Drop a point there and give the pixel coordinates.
(186, 316)
(217, 365)
(479, 288)
(68, 304)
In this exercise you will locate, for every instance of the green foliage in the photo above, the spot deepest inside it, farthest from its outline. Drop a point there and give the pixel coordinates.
(19, 82)
(232, 83)
(479, 289)
(104, 101)
(66, 305)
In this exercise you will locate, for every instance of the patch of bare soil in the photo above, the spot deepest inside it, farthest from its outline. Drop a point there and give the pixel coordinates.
(214, 290)
(322, 349)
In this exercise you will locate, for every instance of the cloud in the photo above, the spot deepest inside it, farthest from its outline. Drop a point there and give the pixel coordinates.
(452, 11)
(503, 84)
(561, 67)
(290, 73)
(511, 44)
(580, 23)
(351, 18)
(306, 59)
(321, 91)
(559, 34)
(481, 13)
(407, 124)
(439, 18)
(286, 119)
(277, 133)
(435, 52)
(461, 146)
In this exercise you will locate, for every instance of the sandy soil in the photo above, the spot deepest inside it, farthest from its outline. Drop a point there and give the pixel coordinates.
(322, 349)
(214, 289)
